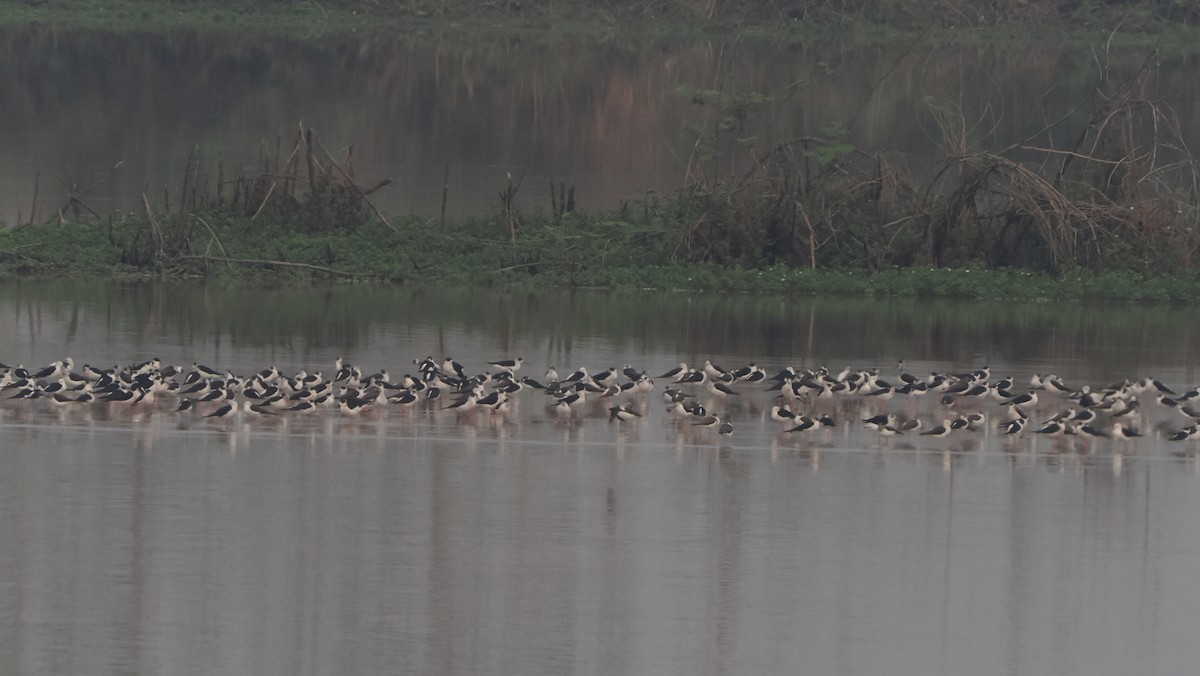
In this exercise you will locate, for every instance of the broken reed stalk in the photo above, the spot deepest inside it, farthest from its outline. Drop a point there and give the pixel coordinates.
(445, 192)
(153, 223)
(187, 175)
(289, 167)
(220, 178)
(270, 263)
(378, 184)
(235, 200)
(562, 202)
(309, 137)
(37, 180)
(507, 197)
(265, 199)
(218, 240)
(74, 189)
(76, 202)
(359, 190)
(812, 236)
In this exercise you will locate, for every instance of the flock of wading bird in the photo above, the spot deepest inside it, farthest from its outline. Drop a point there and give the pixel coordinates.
(803, 401)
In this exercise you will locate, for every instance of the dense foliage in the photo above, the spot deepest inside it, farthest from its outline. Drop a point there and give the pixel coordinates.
(571, 250)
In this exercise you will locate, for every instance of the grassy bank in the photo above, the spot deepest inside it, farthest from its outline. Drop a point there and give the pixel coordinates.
(575, 251)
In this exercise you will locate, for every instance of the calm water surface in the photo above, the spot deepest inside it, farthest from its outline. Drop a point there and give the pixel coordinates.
(424, 542)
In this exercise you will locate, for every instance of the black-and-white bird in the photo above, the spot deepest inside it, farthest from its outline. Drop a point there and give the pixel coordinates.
(1028, 399)
(510, 366)
(1054, 429)
(720, 389)
(676, 372)
(1014, 426)
(807, 424)
(938, 431)
(1151, 383)
(451, 367)
(713, 371)
(224, 411)
(880, 421)
(1124, 433)
(782, 414)
(257, 409)
(623, 413)
(1191, 433)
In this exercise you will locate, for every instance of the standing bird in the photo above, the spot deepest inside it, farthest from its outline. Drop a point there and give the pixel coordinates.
(682, 368)
(807, 424)
(1191, 433)
(939, 431)
(1054, 429)
(720, 389)
(1028, 399)
(623, 413)
(880, 421)
(1124, 433)
(224, 411)
(1013, 426)
(1092, 432)
(713, 371)
(257, 409)
(509, 365)
(782, 414)
(451, 367)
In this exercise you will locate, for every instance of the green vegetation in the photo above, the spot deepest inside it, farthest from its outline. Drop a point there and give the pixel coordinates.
(575, 250)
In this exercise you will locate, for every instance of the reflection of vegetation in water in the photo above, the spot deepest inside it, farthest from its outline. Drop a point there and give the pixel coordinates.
(780, 329)
(594, 106)
(265, 16)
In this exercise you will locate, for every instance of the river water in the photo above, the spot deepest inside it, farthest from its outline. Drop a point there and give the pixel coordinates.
(421, 541)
